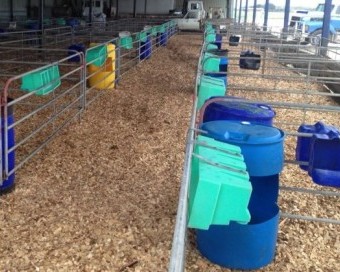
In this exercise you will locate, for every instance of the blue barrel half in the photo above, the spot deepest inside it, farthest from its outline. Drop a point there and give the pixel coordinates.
(239, 246)
(73, 22)
(239, 110)
(145, 49)
(8, 182)
(79, 47)
(162, 39)
(218, 41)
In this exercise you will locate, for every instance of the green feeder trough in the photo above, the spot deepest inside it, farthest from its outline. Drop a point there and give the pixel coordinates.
(211, 46)
(42, 82)
(161, 28)
(126, 42)
(209, 87)
(218, 195)
(154, 30)
(141, 36)
(211, 63)
(96, 55)
(60, 21)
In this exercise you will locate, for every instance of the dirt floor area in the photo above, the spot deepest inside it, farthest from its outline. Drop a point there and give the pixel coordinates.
(103, 195)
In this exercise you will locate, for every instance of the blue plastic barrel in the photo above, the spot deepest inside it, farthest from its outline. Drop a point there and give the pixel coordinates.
(218, 41)
(32, 25)
(79, 47)
(162, 39)
(145, 49)
(72, 22)
(238, 246)
(262, 146)
(239, 110)
(8, 182)
(265, 192)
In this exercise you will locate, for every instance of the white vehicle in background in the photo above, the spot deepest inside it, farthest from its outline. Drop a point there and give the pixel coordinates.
(307, 25)
(196, 15)
(193, 19)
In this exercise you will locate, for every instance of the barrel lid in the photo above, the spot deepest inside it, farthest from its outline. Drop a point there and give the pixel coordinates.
(124, 34)
(242, 132)
(244, 109)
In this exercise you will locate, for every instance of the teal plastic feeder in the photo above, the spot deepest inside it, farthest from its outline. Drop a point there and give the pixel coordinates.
(96, 55)
(209, 87)
(41, 82)
(154, 31)
(218, 195)
(60, 21)
(141, 36)
(125, 40)
(211, 63)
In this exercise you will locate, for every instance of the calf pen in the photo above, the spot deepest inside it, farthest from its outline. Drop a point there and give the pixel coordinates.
(41, 93)
(62, 81)
(292, 79)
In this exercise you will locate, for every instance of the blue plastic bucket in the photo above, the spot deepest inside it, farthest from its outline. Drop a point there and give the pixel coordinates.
(324, 161)
(9, 181)
(262, 146)
(238, 246)
(145, 49)
(239, 110)
(304, 143)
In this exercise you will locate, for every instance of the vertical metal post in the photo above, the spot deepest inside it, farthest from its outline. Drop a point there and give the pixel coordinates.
(235, 11)
(266, 10)
(246, 13)
(145, 6)
(118, 64)
(11, 14)
(264, 60)
(117, 8)
(229, 8)
(28, 9)
(326, 23)
(239, 12)
(254, 12)
(134, 8)
(286, 18)
(41, 21)
(90, 11)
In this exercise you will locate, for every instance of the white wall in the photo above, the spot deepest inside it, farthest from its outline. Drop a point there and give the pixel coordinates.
(153, 6)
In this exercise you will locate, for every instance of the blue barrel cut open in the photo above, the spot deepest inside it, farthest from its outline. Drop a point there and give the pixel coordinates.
(8, 181)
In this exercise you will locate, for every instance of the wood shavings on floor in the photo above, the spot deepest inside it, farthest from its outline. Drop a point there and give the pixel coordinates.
(103, 195)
